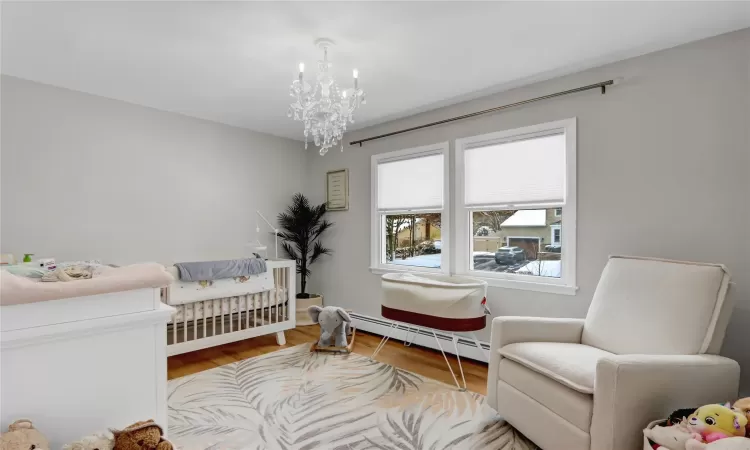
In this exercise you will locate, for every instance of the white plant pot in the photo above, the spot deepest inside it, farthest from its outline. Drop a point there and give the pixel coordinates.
(303, 318)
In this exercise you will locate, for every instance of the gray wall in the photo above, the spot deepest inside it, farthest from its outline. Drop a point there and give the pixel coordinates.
(663, 165)
(89, 177)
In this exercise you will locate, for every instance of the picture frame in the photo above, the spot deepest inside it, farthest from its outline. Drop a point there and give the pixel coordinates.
(337, 190)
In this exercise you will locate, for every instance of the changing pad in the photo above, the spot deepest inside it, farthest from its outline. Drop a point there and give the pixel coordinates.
(15, 290)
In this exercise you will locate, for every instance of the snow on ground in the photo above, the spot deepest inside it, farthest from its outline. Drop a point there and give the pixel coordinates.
(432, 261)
(547, 269)
(485, 261)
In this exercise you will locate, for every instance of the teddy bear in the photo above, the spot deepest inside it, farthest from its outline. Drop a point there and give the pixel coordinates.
(145, 435)
(99, 441)
(22, 435)
(743, 405)
(711, 423)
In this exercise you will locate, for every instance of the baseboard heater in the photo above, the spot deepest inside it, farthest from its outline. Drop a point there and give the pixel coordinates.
(466, 347)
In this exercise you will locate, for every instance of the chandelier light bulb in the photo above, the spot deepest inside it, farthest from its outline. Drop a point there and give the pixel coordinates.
(355, 72)
(301, 67)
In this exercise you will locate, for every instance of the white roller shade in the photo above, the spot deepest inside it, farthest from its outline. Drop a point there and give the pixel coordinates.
(408, 184)
(526, 171)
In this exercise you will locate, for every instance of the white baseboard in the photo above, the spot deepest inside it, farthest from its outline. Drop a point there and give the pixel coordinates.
(466, 346)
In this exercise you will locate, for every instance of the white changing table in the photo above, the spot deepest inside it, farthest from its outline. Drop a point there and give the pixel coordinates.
(81, 365)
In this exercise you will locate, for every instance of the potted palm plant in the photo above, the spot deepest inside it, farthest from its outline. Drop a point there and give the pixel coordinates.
(302, 225)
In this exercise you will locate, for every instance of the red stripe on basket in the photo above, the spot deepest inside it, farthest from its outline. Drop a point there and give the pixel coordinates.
(439, 323)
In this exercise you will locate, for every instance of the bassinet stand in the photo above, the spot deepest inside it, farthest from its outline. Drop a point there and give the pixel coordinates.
(407, 327)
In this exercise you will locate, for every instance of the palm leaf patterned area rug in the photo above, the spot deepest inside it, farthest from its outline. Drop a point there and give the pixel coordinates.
(293, 399)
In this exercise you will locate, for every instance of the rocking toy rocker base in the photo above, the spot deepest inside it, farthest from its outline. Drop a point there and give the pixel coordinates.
(332, 348)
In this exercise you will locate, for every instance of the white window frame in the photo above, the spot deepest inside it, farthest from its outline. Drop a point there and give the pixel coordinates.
(377, 243)
(558, 212)
(566, 284)
(553, 228)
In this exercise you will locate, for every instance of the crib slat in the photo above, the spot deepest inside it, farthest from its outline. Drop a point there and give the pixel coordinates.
(239, 315)
(174, 328)
(283, 293)
(272, 294)
(255, 311)
(195, 320)
(247, 312)
(184, 323)
(221, 315)
(229, 306)
(269, 302)
(276, 295)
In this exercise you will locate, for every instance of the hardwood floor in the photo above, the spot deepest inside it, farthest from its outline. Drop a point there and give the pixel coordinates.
(424, 361)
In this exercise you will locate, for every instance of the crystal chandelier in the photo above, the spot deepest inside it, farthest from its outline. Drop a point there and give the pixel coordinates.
(324, 108)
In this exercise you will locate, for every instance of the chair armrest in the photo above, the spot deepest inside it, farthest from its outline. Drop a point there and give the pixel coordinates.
(632, 390)
(509, 329)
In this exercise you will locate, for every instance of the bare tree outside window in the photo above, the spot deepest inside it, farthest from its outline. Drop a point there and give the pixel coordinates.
(413, 239)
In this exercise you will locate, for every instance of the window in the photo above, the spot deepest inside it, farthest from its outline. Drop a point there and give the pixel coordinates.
(514, 190)
(409, 204)
(556, 229)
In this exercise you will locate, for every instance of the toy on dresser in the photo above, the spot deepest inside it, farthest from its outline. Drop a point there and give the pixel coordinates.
(100, 441)
(22, 435)
(145, 435)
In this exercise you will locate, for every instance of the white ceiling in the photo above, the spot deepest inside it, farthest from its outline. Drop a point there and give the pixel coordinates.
(232, 62)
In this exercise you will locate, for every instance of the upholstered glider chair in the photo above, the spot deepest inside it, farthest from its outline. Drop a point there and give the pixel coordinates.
(648, 346)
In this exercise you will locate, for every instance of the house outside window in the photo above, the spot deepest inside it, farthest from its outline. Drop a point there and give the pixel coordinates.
(409, 208)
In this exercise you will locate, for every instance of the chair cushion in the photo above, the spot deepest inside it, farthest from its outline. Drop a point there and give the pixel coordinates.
(575, 407)
(656, 307)
(572, 365)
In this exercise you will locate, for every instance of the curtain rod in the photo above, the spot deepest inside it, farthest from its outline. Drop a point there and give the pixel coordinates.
(603, 85)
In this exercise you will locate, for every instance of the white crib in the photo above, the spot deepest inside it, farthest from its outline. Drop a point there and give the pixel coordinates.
(259, 308)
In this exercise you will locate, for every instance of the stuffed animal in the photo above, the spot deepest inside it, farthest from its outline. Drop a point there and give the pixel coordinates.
(710, 423)
(99, 441)
(743, 405)
(146, 435)
(670, 437)
(680, 415)
(22, 435)
(333, 321)
(732, 443)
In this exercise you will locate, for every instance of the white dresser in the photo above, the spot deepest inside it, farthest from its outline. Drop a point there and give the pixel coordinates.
(80, 365)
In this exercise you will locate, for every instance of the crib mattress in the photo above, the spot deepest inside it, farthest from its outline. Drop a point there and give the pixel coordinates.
(443, 302)
(182, 292)
(221, 306)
